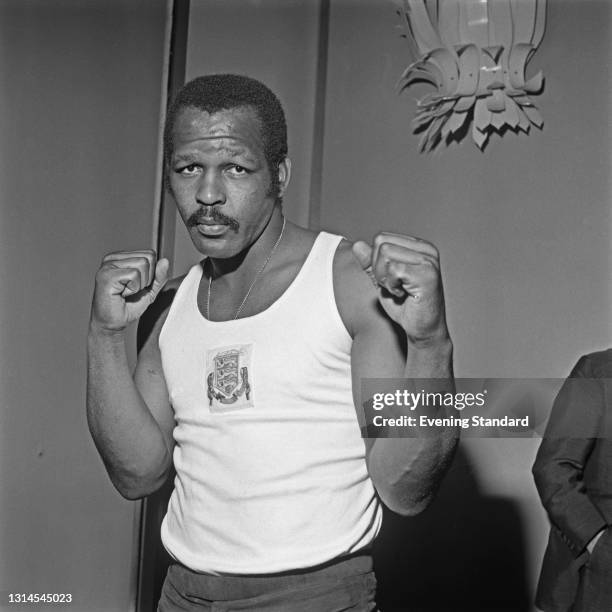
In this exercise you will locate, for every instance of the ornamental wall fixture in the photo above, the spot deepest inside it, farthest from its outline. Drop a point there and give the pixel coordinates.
(474, 52)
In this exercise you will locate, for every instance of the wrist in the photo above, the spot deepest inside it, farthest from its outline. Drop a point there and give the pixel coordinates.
(99, 332)
(430, 360)
(436, 343)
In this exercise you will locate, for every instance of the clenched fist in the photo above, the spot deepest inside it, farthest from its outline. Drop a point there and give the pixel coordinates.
(406, 271)
(126, 284)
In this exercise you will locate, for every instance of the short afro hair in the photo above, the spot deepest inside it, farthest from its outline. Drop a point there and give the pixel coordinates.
(216, 92)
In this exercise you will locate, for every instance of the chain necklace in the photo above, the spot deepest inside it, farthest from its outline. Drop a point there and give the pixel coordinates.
(259, 272)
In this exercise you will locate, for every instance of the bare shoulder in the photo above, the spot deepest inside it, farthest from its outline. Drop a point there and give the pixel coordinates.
(356, 295)
(154, 317)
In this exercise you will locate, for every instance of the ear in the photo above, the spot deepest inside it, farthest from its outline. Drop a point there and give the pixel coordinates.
(284, 175)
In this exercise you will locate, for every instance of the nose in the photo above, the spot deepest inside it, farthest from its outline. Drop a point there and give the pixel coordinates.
(210, 190)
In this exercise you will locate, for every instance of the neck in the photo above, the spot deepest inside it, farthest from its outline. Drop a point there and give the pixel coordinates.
(248, 261)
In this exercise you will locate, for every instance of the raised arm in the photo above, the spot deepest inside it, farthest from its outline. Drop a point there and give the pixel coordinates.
(130, 418)
(394, 308)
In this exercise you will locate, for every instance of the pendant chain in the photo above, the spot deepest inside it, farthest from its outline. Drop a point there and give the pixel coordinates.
(259, 272)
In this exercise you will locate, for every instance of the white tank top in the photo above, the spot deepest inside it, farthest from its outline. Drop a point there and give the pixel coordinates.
(270, 463)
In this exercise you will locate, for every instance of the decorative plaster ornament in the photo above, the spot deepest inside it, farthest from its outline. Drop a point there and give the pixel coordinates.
(475, 53)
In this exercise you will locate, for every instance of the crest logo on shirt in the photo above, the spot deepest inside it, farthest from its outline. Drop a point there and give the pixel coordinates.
(227, 380)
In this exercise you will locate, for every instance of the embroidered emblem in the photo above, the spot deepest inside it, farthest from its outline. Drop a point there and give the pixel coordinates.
(227, 379)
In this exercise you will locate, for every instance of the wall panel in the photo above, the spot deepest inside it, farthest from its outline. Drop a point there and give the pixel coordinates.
(80, 91)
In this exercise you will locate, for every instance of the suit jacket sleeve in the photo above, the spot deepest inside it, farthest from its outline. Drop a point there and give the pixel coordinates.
(571, 432)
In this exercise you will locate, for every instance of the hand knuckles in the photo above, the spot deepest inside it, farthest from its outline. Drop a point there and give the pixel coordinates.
(123, 273)
(428, 260)
(116, 254)
(428, 247)
(384, 249)
(146, 253)
(379, 239)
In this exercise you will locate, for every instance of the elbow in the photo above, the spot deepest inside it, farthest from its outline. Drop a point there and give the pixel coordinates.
(135, 486)
(138, 489)
(408, 489)
(406, 499)
(131, 494)
(408, 508)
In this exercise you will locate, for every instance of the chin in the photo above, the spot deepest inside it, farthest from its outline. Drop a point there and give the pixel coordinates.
(219, 247)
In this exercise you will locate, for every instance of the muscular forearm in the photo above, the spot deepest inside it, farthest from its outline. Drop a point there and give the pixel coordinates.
(127, 436)
(407, 471)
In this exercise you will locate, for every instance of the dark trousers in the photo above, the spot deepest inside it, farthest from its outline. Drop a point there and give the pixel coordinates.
(344, 585)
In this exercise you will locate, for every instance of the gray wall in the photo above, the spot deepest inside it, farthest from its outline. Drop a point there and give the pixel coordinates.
(80, 90)
(524, 228)
(524, 233)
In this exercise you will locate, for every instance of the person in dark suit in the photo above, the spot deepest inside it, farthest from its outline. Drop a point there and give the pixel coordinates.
(573, 475)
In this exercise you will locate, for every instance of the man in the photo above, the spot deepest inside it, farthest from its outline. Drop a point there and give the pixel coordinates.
(249, 382)
(573, 474)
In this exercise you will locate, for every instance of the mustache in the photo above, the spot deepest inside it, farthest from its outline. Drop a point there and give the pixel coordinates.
(212, 216)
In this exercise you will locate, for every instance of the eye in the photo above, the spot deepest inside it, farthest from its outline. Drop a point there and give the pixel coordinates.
(189, 170)
(237, 170)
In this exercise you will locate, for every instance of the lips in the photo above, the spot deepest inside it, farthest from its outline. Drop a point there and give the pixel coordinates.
(207, 228)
